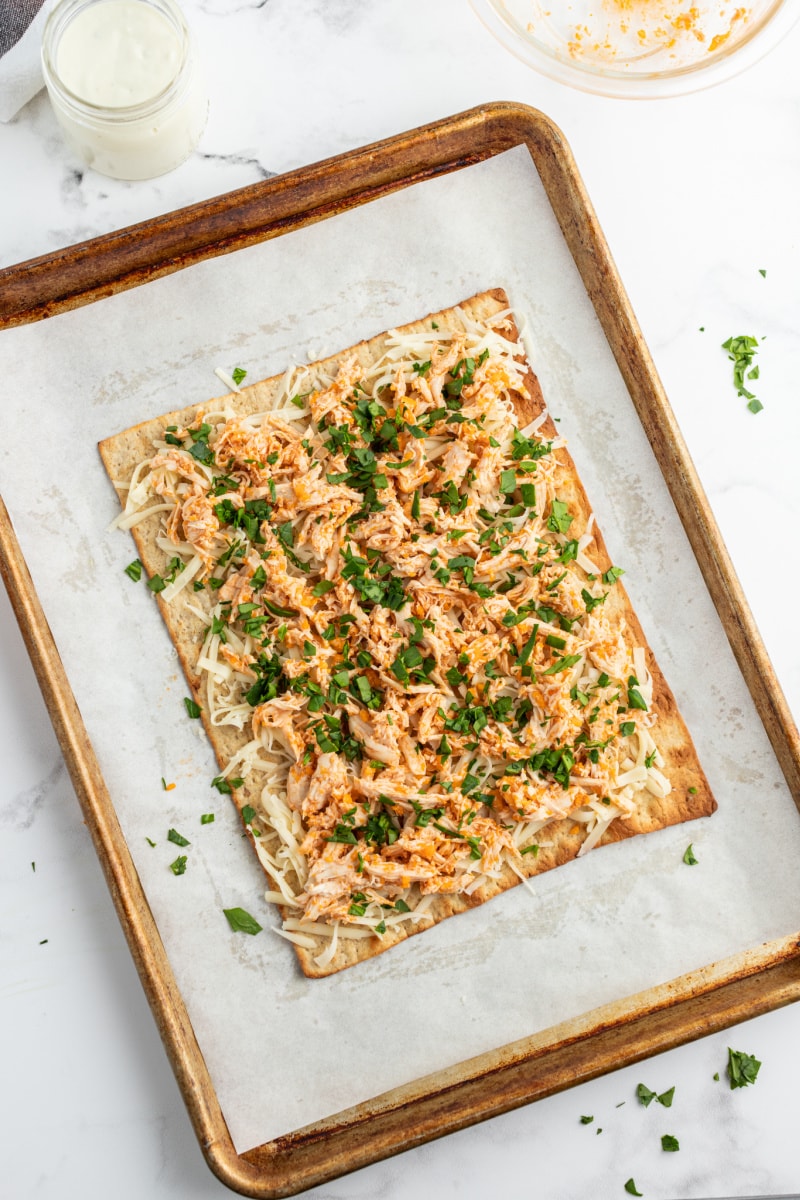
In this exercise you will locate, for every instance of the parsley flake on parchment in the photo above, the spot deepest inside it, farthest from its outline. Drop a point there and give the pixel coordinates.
(240, 921)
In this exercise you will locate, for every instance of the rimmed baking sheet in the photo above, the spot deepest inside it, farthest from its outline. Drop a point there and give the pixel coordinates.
(284, 1051)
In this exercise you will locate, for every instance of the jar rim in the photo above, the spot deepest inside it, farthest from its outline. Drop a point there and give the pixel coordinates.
(57, 22)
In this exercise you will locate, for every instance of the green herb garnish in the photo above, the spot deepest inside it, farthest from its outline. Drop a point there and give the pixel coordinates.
(508, 482)
(688, 856)
(225, 786)
(635, 698)
(741, 352)
(192, 708)
(668, 1142)
(241, 921)
(134, 570)
(179, 866)
(177, 838)
(562, 664)
(742, 1068)
(237, 375)
(560, 519)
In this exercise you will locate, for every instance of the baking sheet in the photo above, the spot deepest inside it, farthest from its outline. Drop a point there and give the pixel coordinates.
(282, 1050)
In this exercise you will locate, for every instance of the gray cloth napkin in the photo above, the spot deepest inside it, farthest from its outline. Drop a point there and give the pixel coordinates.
(21, 24)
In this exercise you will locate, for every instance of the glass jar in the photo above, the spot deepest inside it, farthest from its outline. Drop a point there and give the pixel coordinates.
(125, 84)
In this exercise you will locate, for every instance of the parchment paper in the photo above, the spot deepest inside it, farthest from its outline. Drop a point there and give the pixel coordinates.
(283, 1050)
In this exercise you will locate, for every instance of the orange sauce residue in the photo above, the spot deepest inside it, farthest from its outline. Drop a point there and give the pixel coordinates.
(625, 28)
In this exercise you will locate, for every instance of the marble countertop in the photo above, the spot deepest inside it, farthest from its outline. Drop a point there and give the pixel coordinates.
(697, 197)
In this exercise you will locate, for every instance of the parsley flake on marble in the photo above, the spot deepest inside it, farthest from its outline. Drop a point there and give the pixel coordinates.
(742, 350)
(742, 1068)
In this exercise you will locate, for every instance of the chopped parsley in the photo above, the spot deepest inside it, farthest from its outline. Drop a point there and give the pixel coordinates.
(688, 856)
(177, 838)
(563, 664)
(179, 866)
(192, 708)
(630, 1188)
(742, 1068)
(635, 698)
(240, 921)
(134, 570)
(668, 1142)
(741, 352)
(646, 1097)
(560, 518)
(226, 786)
(237, 375)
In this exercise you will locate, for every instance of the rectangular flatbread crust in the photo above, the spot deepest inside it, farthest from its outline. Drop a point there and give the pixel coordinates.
(689, 795)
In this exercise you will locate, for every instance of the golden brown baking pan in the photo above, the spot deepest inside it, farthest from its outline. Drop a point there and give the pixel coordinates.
(692, 1006)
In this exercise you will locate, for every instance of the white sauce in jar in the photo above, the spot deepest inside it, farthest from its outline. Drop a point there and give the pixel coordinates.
(118, 53)
(124, 83)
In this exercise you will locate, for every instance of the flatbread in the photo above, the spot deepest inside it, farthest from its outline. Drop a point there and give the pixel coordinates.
(690, 796)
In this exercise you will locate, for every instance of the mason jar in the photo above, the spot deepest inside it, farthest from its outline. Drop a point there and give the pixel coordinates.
(125, 84)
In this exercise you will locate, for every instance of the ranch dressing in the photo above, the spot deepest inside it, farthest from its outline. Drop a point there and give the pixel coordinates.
(118, 53)
(124, 83)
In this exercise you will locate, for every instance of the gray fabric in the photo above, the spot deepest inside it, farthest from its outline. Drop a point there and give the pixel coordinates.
(15, 17)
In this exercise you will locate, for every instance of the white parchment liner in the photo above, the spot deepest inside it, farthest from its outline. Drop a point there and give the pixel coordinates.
(282, 1050)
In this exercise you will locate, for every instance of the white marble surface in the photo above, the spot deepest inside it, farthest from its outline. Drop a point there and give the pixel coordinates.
(695, 195)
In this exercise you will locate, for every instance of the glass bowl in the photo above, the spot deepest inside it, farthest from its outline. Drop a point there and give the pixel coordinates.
(638, 48)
